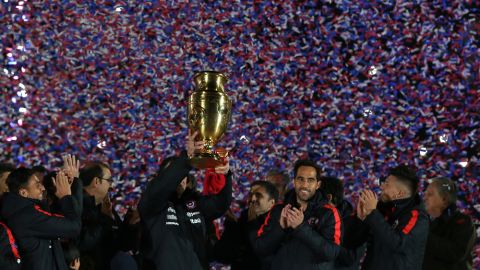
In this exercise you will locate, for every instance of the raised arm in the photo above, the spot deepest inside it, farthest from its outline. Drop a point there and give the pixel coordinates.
(49, 225)
(71, 167)
(159, 190)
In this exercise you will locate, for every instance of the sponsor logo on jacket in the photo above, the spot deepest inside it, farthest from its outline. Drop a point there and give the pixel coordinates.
(171, 217)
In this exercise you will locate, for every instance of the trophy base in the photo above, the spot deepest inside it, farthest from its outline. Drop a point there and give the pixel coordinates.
(205, 160)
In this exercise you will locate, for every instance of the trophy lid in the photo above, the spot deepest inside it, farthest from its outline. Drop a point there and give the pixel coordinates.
(210, 81)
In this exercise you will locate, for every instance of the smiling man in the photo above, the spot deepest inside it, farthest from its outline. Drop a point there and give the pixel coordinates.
(234, 248)
(305, 231)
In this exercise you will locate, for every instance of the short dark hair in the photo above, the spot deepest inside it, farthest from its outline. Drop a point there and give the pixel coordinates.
(39, 168)
(271, 190)
(92, 170)
(334, 187)
(306, 163)
(283, 174)
(18, 179)
(6, 167)
(446, 188)
(407, 175)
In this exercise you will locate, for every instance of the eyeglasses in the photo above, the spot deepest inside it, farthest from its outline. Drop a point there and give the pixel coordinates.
(110, 180)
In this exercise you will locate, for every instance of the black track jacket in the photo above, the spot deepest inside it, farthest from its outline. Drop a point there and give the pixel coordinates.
(38, 231)
(174, 229)
(313, 245)
(397, 234)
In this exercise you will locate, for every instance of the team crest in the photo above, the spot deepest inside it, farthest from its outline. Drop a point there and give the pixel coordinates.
(191, 205)
(313, 221)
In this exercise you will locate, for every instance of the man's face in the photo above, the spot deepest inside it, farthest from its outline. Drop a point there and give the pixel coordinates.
(434, 203)
(306, 183)
(391, 189)
(277, 181)
(105, 183)
(3, 182)
(260, 200)
(34, 189)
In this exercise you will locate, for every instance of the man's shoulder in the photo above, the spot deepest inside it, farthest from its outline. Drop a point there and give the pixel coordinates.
(461, 219)
(324, 209)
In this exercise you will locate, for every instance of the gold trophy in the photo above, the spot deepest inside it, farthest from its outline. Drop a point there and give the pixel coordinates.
(209, 111)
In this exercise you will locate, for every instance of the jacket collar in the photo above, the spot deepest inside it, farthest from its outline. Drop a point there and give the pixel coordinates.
(396, 207)
(345, 208)
(317, 199)
(448, 212)
(89, 200)
(11, 203)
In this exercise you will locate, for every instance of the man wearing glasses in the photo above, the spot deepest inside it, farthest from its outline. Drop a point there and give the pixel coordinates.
(97, 242)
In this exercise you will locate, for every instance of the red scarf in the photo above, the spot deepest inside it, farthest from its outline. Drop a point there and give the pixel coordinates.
(213, 182)
(212, 185)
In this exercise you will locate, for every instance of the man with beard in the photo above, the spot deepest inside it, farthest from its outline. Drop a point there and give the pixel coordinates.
(396, 228)
(234, 248)
(305, 231)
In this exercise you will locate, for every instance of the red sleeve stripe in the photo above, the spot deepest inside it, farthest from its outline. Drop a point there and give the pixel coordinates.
(411, 223)
(47, 213)
(11, 239)
(260, 231)
(336, 216)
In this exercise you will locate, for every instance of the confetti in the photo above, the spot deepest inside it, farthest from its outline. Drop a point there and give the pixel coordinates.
(358, 87)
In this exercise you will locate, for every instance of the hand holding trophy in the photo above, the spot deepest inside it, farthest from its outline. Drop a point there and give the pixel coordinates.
(209, 111)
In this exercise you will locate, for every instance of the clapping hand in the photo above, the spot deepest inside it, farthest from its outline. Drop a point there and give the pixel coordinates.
(71, 166)
(62, 185)
(369, 201)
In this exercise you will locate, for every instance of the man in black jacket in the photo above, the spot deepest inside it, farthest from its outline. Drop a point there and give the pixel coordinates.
(304, 232)
(452, 234)
(350, 256)
(397, 226)
(9, 255)
(234, 247)
(37, 231)
(174, 215)
(98, 239)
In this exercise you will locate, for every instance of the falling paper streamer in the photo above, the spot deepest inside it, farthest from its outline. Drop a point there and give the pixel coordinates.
(313, 79)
